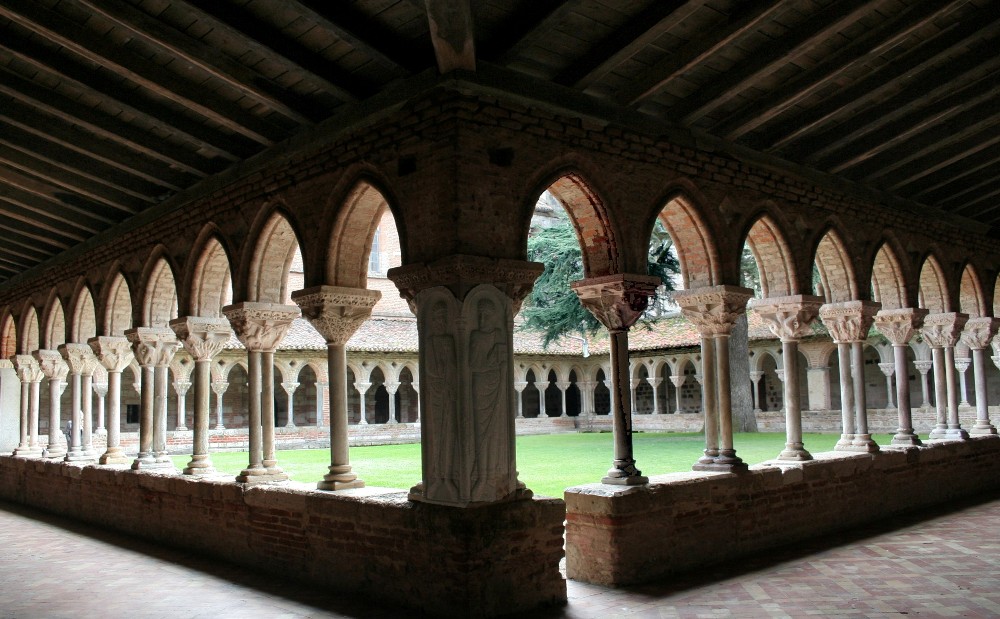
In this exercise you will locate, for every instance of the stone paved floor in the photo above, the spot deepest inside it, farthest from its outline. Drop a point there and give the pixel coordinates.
(937, 564)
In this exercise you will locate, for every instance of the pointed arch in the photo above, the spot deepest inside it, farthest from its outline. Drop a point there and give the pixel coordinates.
(276, 248)
(888, 281)
(774, 260)
(30, 339)
(54, 323)
(211, 286)
(836, 273)
(359, 217)
(933, 287)
(117, 307)
(971, 300)
(83, 318)
(696, 250)
(159, 304)
(8, 336)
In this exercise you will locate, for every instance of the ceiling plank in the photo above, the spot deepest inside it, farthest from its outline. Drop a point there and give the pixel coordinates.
(696, 51)
(966, 191)
(948, 156)
(29, 252)
(13, 236)
(991, 196)
(943, 178)
(38, 225)
(525, 28)
(43, 200)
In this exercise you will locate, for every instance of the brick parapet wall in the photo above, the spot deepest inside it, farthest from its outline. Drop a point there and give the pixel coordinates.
(481, 561)
(621, 536)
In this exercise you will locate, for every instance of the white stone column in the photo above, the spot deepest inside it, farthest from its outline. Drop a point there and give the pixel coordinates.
(219, 388)
(563, 385)
(678, 380)
(101, 391)
(977, 335)
(87, 393)
(55, 369)
(924, 366)
(617, 301)
(962, 365)
(390, 388)
(76, 357)
(181, 388)
(788, 318)
(321, 388)
(115, 354)
(261, 327)
(519, 387)
(336, 313)
(586, 397)
(941, 331)
(755, 376)
(154, 349)
(289, 389)
(30, 375)
(899, 327)
(362, 388)
(203, 339)
(888, 369)
(655, 384)
(633, 385)
(542, 408)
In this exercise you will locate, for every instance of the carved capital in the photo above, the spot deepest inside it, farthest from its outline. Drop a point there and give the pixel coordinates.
(887, 368)
(460, 274)
(202, 338)
(219, 386)
(336, 312)
(979, 332)
(849, 321)
(289, 387)
(923, 365)
(114, 353)
(943, 330)
(900, 325)
(261, 326)
(153, 346)
(617, 301)
(79, 357)
(101, 389)
(713, 310)
(52, 364)
(788, 318)
(27, 368)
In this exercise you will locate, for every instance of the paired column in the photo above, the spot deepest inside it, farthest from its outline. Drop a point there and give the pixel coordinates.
(788, 319)
(519, 387)
(261, 327)
(203, 339)
(977, 336)
(848, 324)
(678, 380)
(154, 349)
(30, 376)
(336, 313)
(617, 301)
(899, 326)
(81, 361)
(54, 368)
(115, 354)
(713, 311)
(941, 332)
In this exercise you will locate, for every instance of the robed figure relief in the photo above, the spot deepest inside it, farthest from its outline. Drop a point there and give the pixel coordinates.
(440, 365)
(490, 402)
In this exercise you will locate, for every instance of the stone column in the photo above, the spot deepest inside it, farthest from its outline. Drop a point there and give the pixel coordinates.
(519, 387)
(154, 349)
(713, 311)
(115, 354)
(924, 366)
(962, 365)
(655, 384)
(465, 307)
(678, 380)
(362, 388)
(203, 339)
(261, 327)
(30, 376)
(289, 389)
(390, 388)
(788, 318)
(941, 332)
(336, 313)
(586, 397)
(321, 388)
(633, 385)
(181, 387)
(755, 376)
(888, 369)
(617, 301)
(55, 369)
(563, 385)
(76, 357)
(101, 391)
(87, 391)
(899, 326)
(977, 335)
(543, 413)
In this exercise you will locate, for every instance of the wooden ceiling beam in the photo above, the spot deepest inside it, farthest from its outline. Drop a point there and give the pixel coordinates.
(10, 262)
(696, 51)
(948, 156)
(989, 176)
(36, 225)
(30, 253)
(525, 28)
(45, 201)
(940, 180)
(970, 208)
(10, 236)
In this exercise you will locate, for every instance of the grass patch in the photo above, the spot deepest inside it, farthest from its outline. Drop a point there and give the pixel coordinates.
(547, 463)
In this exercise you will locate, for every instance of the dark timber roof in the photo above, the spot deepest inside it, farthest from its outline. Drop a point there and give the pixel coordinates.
(109, 107)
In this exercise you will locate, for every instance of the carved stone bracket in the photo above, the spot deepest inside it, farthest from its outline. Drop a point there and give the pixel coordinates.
(617, 301)
(849, 321)
(979, 332)
(261, 326)
(943, 330)
(460, 274)
(788, 318)
(900, 325)
(713, 310)
(336, 312)
(153, 346)
(79, 357)
(52, 365)
(27, 369)
(202, 338)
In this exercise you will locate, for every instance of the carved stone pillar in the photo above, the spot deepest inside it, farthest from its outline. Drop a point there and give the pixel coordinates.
(336, 313)
(586, 397)
(977, 335)
(30, 376)
(519, 387)
(261, 327)
(219, 388)
(390, 388)
(755, 376)
(633, 385)
(87, 393)
(899, 327)
(465, 308)
(713, 311)
(55, 369)
(617, 301)
(924, 366)
(788, 318)
(115, 354)
(941, 332)
(203, 339)
(154, 349)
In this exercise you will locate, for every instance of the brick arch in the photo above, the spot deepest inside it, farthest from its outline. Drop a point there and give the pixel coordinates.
(933, 287)
(53, 323)
(836, 273)
(159, 303)
(117, 306)
(274, 251)
(971, 299)
(696, 250)
(757, 364)
(888, 280)
(352, 233)
(773, 258)
(8, 336)
(211, 286)
(83, 319)
(29, 331)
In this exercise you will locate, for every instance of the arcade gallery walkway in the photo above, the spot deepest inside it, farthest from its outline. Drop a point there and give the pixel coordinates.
(940, 563)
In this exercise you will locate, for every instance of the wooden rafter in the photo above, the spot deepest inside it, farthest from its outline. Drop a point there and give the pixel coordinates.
(374, 42)
(44, 200)
(944, 157)
(945, 177)
(525, 28)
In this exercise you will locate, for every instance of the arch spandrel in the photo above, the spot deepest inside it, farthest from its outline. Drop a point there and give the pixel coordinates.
(773, 257)
(933, 286)
(971, 299)
(836, 272)
(888, 280)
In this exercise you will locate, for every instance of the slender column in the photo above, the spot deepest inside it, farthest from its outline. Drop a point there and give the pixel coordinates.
(846, 441)
(101, 391)
(75, 356)
(563, 386)
(941, 332)
(678, 380)
(899, 327)
(633, 385)
(289, 389)
(390, 388)
(888, 369)
(617, 301)
(924, 366)
(321, 388)
(962, 365)
(55, 369)
(755, 377)
(115, 354)
(362, 388)
(586, 397)
(709, 403)
(261, 327)
(519, 387)
(219, 387)
(203, 339)
(977, 335)
(30, 375)
(862, 438)
(542, 408)
(87, 391)
(181, 387)
(788, 318)
(655, 384)
(154, 348)
(336, 313)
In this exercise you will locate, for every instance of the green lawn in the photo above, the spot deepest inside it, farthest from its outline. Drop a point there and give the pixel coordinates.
(547, 463)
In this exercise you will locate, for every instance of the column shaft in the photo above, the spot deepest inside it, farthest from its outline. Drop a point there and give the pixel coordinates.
(940, 394)
(340, 475)
(709, 402)
(794, 447)
(904, 434)
(983, 425)
(624, 470)
(862, 438)
(113, 452)
(201, 459)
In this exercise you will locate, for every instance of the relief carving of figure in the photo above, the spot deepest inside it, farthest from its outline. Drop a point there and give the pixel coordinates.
(442, 396)
(490, 404)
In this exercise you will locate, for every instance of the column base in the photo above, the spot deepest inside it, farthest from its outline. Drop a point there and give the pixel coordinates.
(957, 434)
(983, 429)
(115, 457)
(722, 467)
(219, 427)
(863, 443)
(906, 438)
(199, 465)
(624, 473)
(845, 443)
(28, 452)
(53, 452)
(100, 432)
(333, 485)
(939, 433)
(79, 456)
(261, 475)
(180, 429)
(794, 453)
